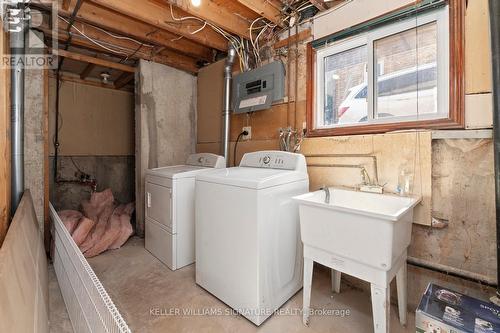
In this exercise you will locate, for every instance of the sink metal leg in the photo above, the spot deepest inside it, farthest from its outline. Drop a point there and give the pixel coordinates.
(336, 276)
(381, 308)
(401, 283)
(306, 302)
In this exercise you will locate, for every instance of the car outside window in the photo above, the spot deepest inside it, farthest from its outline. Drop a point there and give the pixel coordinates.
(392, 74)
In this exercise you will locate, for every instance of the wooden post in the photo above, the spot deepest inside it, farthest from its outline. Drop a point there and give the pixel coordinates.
(4, 139)
(46, 168)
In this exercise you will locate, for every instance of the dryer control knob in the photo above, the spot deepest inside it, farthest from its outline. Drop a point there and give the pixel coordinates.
(266, 159)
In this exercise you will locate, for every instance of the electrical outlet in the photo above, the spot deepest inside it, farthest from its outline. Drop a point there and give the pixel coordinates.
(249, 130)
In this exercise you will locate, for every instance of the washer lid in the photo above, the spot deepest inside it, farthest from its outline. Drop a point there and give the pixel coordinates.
(176, 171)
(253, 178)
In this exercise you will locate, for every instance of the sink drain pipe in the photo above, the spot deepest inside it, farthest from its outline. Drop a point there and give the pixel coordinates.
(17, 49)
(226, 112)
(494, 6)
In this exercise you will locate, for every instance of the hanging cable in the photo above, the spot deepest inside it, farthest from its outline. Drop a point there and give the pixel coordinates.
(236, 145)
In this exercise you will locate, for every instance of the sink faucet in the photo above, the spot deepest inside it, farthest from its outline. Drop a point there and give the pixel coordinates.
(327, 193)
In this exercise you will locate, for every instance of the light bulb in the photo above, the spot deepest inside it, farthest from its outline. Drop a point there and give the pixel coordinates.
(196, 3)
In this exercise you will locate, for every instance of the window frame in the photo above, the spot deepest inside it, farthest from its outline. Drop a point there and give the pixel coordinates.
(453, 78)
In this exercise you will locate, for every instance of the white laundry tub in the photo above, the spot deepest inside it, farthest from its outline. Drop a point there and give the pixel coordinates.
(371, 229)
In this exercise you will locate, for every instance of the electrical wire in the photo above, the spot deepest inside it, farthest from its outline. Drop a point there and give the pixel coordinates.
(92, 40)
(236, 145)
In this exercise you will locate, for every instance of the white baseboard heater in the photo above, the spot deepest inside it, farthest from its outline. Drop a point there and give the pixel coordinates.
(89, 306)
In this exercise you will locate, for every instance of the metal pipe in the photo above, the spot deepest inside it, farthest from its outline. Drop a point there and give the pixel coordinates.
(226, 111)
(494, 6)
(452, 271)
(364, 173)
(17, 49)
(373, 157)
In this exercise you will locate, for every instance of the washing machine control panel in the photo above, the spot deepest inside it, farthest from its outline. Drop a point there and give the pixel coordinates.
(206, 160)
(272, 160)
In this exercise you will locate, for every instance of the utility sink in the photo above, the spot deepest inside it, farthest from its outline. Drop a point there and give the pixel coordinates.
(361, 234)
(372, 229)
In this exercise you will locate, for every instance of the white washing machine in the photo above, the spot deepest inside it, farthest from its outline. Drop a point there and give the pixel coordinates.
(248, 248)
(169, 201)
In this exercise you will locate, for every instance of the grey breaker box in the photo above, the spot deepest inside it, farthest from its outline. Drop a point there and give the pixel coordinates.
(257, 89)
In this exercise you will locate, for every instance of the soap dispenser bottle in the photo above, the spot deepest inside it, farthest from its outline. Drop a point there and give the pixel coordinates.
(405, 181)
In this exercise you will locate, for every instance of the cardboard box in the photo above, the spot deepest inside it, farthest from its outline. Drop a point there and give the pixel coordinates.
(442, 310)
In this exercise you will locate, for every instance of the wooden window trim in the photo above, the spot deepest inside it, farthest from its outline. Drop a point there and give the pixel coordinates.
(456, 119)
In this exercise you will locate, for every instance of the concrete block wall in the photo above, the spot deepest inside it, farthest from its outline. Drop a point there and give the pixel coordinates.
(165, 120)
(34, 139)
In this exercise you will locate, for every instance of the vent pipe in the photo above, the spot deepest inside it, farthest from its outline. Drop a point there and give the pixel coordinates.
(226, 111)
(17, 49)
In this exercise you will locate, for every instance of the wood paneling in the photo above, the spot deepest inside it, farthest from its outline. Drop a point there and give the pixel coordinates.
(209, 101)
(4, 140)
(94, 121)
(478, 66)
(23, 274)
(411, 151)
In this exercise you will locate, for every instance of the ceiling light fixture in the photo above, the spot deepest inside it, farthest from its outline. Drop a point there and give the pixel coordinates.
(196, 3)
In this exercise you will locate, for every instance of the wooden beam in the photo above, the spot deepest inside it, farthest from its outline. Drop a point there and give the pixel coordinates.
(123, 80)
(302, 36)
(320, 4)
(144, 32)
(156, 15)
(65, 77)
(4, 140)
(215, 13)
(46, 166)
(86, 72)
(66, 4)
(264, 8)
(135, 51)
(124, 25)
(94, 60)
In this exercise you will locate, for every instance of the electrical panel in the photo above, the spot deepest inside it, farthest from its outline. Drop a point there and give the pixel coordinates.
(257, 89)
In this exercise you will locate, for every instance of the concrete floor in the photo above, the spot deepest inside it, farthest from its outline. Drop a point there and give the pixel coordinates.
(146, 292)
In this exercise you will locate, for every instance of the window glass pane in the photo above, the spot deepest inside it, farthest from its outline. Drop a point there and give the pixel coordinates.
(406, 73)
(345, 87)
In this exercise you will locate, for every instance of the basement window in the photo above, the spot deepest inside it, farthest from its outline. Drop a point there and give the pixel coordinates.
(382, 78)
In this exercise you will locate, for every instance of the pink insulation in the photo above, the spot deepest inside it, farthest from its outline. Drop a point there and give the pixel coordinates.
(82, 230)
(125, 227)
(103, 225)
(70, 219)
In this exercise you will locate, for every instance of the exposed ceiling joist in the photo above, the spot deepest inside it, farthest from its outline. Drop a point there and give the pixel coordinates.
(320, 4)
(214, 13)
(66, 4)
(123, 47)
(86, 72)
(301, 36)
(265, 9)
(123, 80)
(154, 14)
(70, 78)
(94, 60)
(125, 25)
